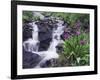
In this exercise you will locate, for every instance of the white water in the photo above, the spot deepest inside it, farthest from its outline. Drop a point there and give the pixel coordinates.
(32, 43)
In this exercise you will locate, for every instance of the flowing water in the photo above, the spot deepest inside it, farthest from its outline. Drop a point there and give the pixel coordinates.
(31, 45)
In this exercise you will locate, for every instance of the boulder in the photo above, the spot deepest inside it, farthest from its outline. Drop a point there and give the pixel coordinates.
(30, 60)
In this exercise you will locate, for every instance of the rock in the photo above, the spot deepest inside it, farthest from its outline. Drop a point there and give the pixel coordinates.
(30, 60)
(45, 34)
(49, 63)
(44, 44)
(27, 31)
(59, 48)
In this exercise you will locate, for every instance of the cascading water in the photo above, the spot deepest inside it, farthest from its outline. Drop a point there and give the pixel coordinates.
(31, 45)
(51, 52)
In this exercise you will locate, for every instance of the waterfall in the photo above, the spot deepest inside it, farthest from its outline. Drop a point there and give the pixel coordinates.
(56, 36)
(32, 44)
(51, 52)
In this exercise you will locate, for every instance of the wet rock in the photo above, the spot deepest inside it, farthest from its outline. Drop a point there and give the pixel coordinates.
(49, 63)
(30, 60)
(45, 34)
(44, 44)
(59, 48)
(27, 31)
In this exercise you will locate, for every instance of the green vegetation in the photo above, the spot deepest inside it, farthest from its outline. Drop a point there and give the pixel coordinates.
(76, 50)
(70, 18)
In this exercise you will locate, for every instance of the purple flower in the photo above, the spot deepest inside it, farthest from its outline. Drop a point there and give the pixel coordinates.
(78, 24)
(66, 36)
(77, 32)
(82, 42)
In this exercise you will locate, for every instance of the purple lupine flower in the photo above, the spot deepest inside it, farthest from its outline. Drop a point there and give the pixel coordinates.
(82, 42)
(77, 32)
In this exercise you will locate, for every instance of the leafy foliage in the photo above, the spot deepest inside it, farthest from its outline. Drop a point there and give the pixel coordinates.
(76, 52)
(28, 16)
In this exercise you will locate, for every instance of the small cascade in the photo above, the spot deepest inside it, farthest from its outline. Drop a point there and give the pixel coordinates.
(51, 52)
(32, 44)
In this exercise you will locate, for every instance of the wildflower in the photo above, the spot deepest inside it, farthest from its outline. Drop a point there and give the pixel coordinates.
(77, 32)
(82, 42)
(66, 36)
